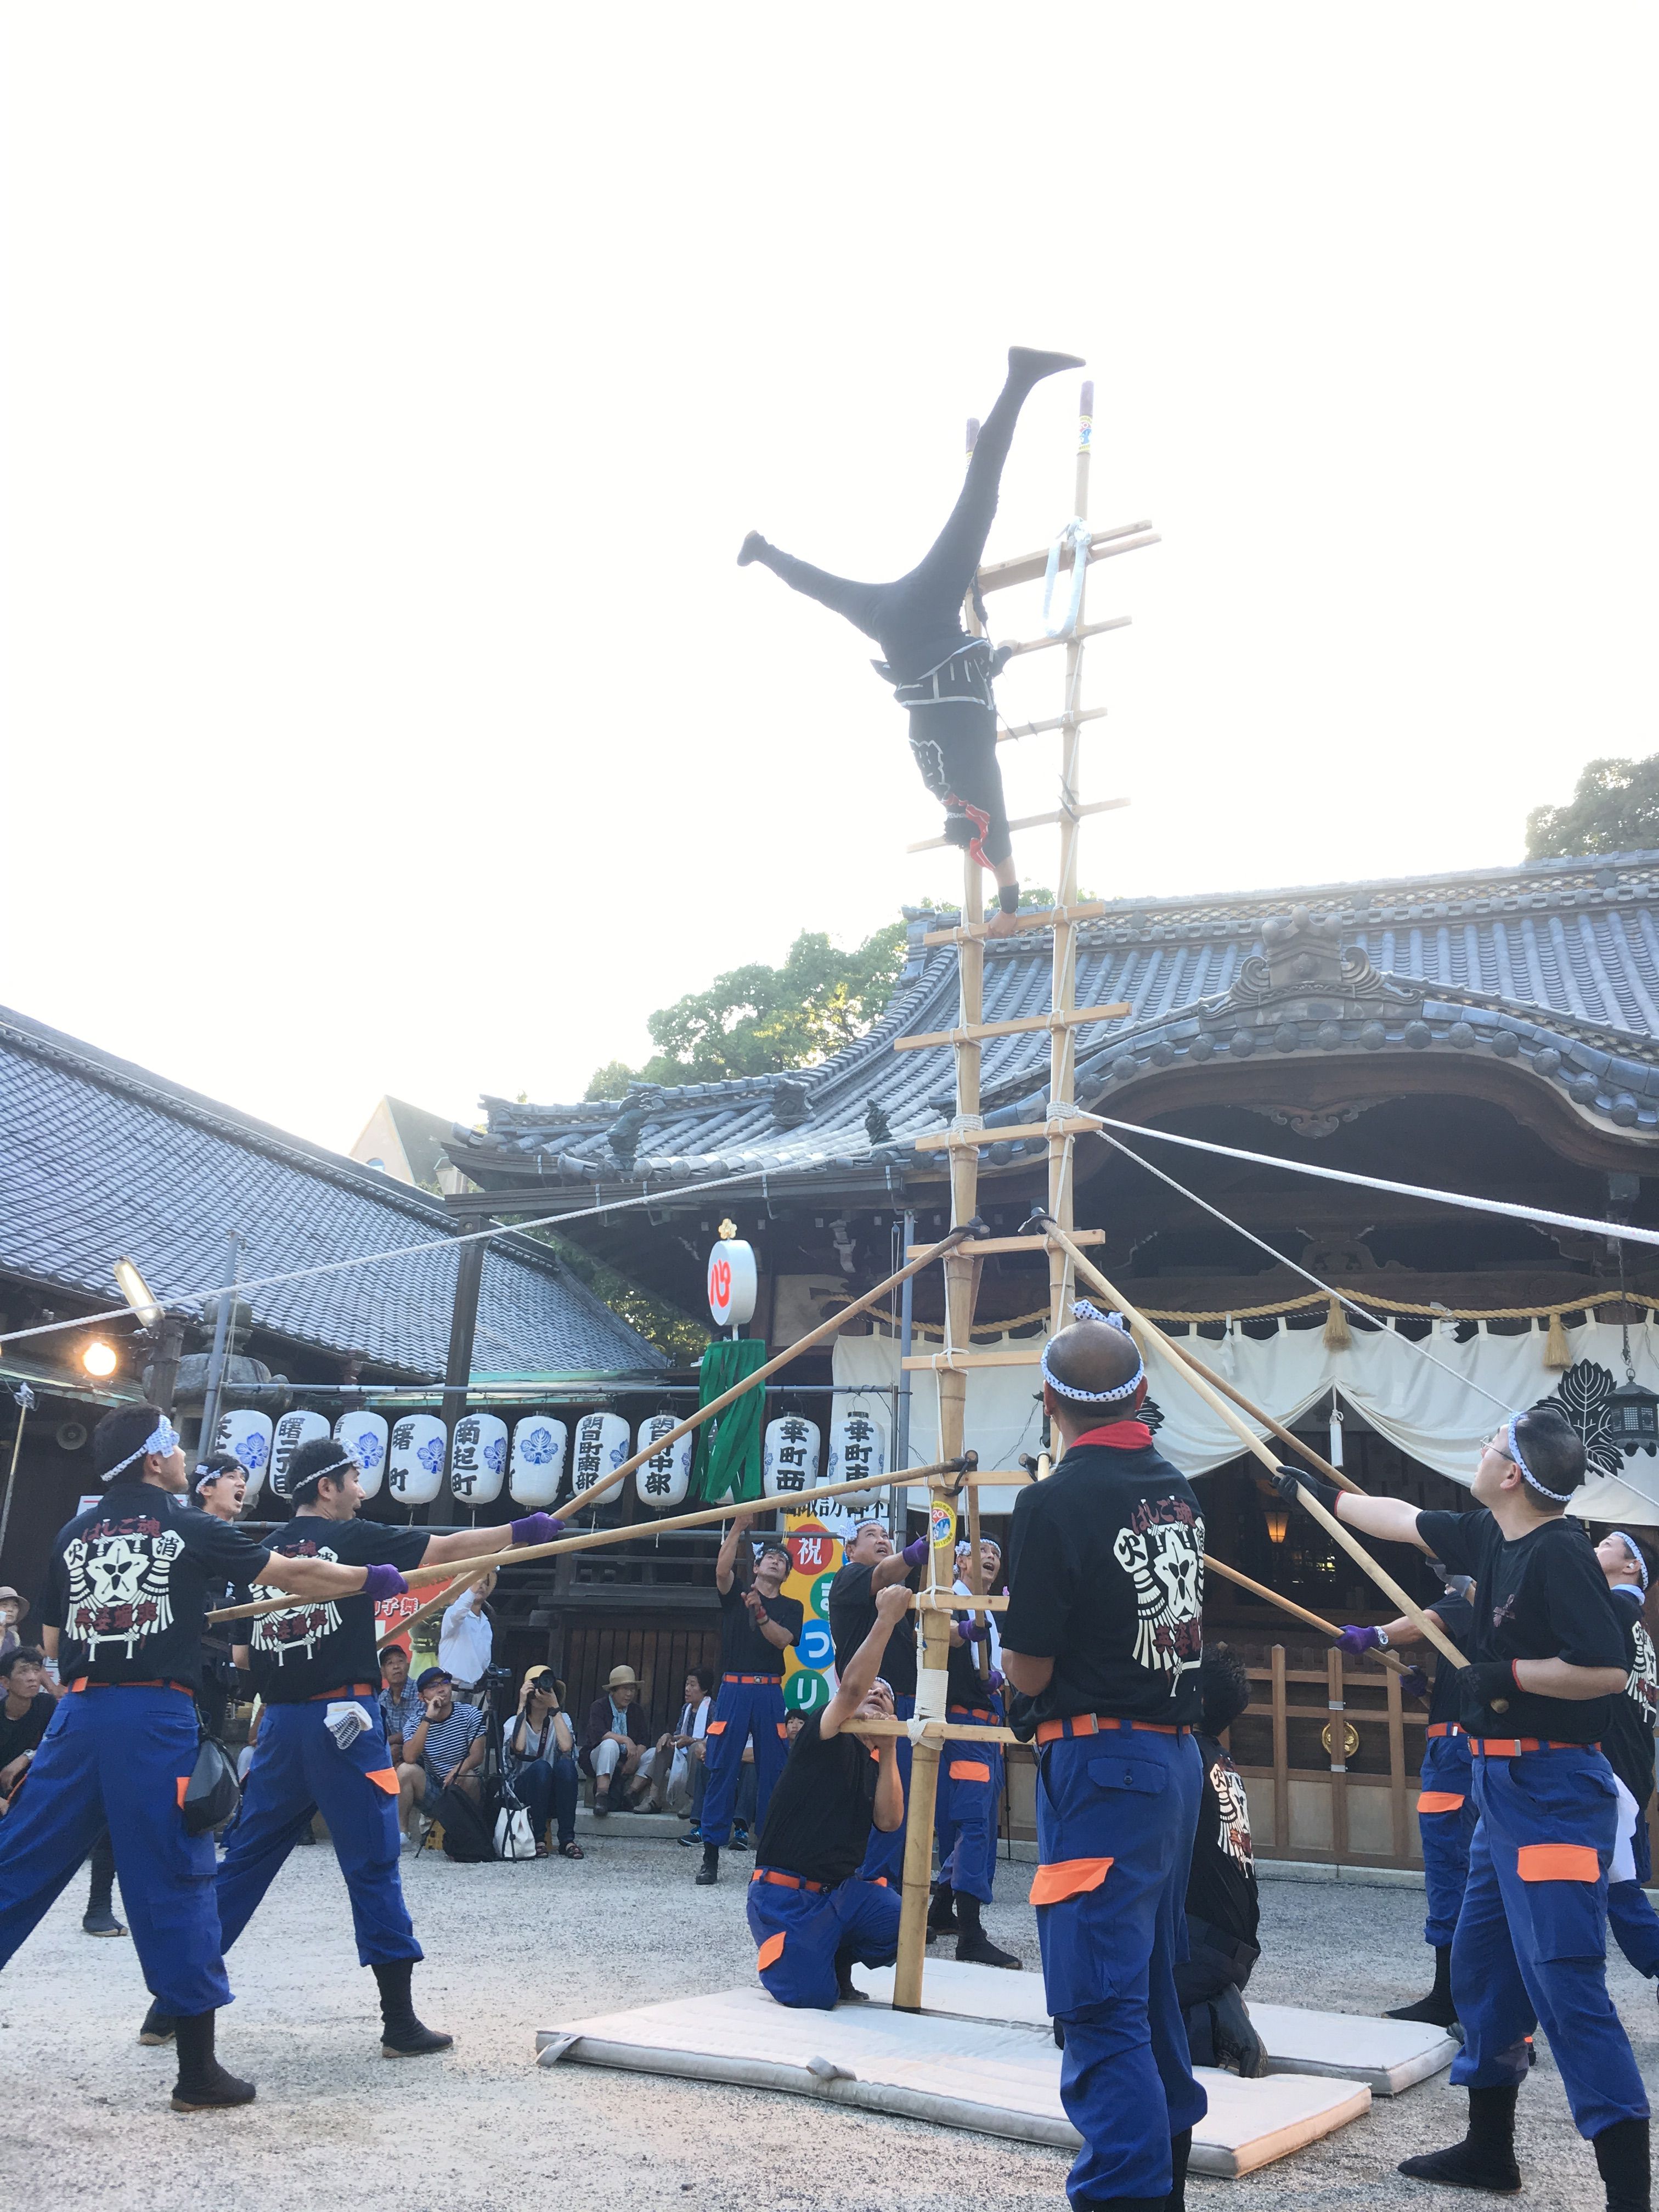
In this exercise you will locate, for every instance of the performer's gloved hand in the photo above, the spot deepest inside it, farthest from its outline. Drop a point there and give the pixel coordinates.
(995, 1679)
(536, 1529)
(973, 1630)
(1413, 1682)
(1357, 1640)
(381, 1582)
(913, 1553)
(1289, 1480)
(1481, 1686)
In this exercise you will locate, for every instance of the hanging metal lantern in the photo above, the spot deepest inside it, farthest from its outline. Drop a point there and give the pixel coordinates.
(365, 1435)
(292, 1431)
(1632, 1417)
(666, 1478)
(858, 1445)
(248, 1435)
(789, 1462)
(601, 1448)
(539, 1444)
(415, 1462)
(478, 1459)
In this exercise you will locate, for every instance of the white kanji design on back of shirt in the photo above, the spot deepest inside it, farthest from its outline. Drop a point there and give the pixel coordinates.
(294, 1631)
(1234, 1832)
(119, 1588)
(1165, 1560)
(1642, 1686)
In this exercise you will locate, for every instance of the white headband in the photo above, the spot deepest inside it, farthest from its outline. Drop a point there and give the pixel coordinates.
(1082, 1310)
(317, 1473)
(207, 1474)
(1640, 1564)
(163, 1440)
(1555, 1496)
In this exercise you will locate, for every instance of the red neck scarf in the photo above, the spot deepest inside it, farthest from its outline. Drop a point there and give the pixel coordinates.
(1117, 1436)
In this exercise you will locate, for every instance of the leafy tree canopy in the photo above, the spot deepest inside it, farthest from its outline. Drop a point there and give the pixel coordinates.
(1614, 809)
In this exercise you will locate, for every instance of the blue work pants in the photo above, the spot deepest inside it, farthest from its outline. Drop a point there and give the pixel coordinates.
(1445, 1821)
(799, 1932)
(745, 1705)
(967, 1809)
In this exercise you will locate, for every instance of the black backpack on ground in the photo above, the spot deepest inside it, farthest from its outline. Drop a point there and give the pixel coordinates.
(468, 1827)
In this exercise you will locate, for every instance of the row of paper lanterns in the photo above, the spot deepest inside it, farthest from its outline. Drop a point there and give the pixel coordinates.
(409, 1455)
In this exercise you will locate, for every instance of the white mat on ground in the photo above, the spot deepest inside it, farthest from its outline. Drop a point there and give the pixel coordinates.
(1387, 2055)
(999, 2079)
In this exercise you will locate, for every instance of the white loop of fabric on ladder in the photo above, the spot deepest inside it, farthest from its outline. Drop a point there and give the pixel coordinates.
(1078, 537)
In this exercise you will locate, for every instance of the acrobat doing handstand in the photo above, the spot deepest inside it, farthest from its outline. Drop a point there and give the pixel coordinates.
(939, 672)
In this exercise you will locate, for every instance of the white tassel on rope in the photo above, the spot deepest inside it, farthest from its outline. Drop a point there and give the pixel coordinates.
(1077, 535)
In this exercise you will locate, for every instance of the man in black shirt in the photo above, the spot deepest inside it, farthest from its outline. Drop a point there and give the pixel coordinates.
(869, 1565)
(1224, 1910)
(25, 1712)
(126, 1597)
(757, 1627)
(1103, 1637)
(322, 1743)
(1628, 1743)
(1531, 1940)
(813, 1915)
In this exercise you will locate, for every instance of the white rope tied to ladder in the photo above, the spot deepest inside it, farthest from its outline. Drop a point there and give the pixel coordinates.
(1078, 537)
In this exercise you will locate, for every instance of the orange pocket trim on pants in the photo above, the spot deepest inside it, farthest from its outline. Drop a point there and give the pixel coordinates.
(184, 1784)
(384, 1778)
(1069, 1878)
(1558, 1862)
(1439, 1800)
(715, 1728)
(770, 1953)
(969, 1770)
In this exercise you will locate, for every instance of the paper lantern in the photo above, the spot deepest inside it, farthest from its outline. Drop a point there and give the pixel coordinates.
(539, 1444)
(790, 1460)
(248, 1435)
(732, 1282)
(478, 1459)
(858, 1445)
(665, 1479)
(415, 1462)
(292, 1431)
(601, 1447)
(364, 1435)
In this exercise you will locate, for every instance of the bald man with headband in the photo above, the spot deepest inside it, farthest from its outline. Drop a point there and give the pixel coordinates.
(1101, 1639)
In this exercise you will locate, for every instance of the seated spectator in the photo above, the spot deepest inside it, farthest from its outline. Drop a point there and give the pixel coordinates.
(675, 1764)
(1222, 1906)
(447, 1743)
(13, 1609)
(539, 1751)
(25, 1716)
(466, 1641)
(401, 1710)
(615, 1745)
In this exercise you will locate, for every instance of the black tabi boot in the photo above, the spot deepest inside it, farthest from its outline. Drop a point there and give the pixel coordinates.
(709, 1871)
(1485, 2157)
(203, 2085)
(1236, 2042)
(845, 1992)
(159, 2026)
(1181, 2149)
(1027, 365)
(1436, 2010)
(99, 1918)
(403, 2036)
(1622, 2159)
(942, 1913)
(751, 548)
(974, 1947)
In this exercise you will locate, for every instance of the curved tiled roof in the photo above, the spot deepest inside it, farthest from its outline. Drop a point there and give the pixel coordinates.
(99, 1157)
(1554, 963)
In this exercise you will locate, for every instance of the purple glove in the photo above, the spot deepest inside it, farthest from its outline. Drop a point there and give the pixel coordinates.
(1357, 1640)
(914, 1554)
(1415, 1682)
(536, 1529)
(972, 1630)
(382, 1582)
(995, 1680)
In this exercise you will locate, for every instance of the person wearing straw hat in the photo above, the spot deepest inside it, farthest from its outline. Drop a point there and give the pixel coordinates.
(1537, 1699)
(322, 1743)
(1626, 1564)
(127, 1599)
(1102, 1640)
(615, 1745)
(940, 674)
(13, 1610)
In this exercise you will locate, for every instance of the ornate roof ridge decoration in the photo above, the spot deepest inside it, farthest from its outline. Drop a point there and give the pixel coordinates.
(1305, 952)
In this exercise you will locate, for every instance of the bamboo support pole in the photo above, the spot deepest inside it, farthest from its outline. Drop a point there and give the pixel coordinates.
(1062, 1050)
(1038, 918)
(1026, 568)
(934, 1732)
(1021, 1025)
(445, 1598)
(1200, 1382)
(1289, 1605)
(1008, 731)
(1030, 821)
(1083, 629)
(977, 1141)
(985, 1246)
(596, 1539)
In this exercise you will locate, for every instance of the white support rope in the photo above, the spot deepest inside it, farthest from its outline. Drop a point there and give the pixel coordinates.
(1077, 536)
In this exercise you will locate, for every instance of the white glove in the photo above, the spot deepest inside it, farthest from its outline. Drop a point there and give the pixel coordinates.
(345, 1721)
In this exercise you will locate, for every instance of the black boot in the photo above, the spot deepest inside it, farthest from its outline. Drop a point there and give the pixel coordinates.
(751, 548)
(1236, 2043)
(1181, 2149)
(1028, 366)
(1436, 2010)
(159, 2026)
(709, 1871)
(99, 1918)
(845, 1992)
(942, 1913)
(1485, 2157)
(204, 2085)
(974, 1947)
(1622, 2159)
(403, 2036)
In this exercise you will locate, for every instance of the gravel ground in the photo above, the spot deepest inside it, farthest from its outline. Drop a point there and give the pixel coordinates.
(511, 1948)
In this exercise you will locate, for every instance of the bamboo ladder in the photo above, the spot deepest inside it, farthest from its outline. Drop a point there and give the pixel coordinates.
(964, 1140)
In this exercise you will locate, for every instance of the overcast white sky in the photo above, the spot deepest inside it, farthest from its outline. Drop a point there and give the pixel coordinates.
(386, 390)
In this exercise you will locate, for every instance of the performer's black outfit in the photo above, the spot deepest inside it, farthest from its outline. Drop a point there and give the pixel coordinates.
(1222, 1917)
(938, 671)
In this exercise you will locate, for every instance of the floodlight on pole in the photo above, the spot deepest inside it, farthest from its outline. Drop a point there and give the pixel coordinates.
(99, 1358)
(137, 1293)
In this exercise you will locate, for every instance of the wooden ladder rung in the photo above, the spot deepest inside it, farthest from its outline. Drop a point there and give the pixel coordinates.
(1033, 822)
(945, 1140)
(1038, 918)
(997, 576)
(1008, 732)
(1066, 637)
(989, 1244)
(1008, 1355)
(970, 1032)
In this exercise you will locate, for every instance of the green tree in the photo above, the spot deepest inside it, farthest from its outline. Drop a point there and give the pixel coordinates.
(1614, 809)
